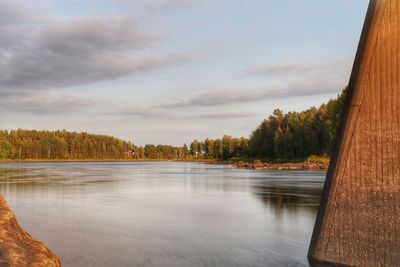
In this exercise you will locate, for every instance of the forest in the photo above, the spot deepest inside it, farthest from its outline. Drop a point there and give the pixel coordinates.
(31, 144)
(281, 136)
(287, 137)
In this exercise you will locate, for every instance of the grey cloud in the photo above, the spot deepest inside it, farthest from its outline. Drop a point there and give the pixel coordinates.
(160, 4)
(154, 113)
(298, 68)
(299, 80)
(314, 83)
(60, 53)
(17, 12)
(41, 102)
(295, 80)
(94, 34)
(150, 6)
(221, 97)
(139, 112)
(229, 96)
(224, 115)
(315, 86)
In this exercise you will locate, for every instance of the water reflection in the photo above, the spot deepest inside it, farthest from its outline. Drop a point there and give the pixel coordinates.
(290, 191)
(165, 214)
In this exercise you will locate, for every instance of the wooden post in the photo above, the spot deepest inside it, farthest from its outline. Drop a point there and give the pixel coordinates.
(358, 222)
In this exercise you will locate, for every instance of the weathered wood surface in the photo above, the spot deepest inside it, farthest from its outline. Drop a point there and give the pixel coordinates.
(17, 247)
(358, 223)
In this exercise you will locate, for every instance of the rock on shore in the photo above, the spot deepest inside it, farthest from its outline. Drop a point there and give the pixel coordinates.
(17, 247)
(259, 165)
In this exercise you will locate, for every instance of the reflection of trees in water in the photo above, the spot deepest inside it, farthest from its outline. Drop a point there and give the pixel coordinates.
(281, 198)
(42, 180)
(280, 192)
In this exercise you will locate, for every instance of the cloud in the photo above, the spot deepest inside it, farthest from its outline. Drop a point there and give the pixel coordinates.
(39, 52)
(298, 68)
(151, 6)
(315, 85)
(219, 97)
(17, 12)
(298, 80)
(290, 79)
(212, 97)
(311, 85)
(139, 112)
(152, 112)
(162, 4)
(58, 53)
(295, 80)
(224, 115)
(42, 102)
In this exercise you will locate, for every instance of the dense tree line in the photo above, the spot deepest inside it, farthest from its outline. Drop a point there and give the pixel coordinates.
(290, 136)
(297, 135)
(223, 148)
(27, 144)
(48, 145)
(162, 152)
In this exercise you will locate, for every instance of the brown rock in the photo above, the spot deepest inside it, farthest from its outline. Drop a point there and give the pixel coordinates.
(17, 247)
(258, 164)
(241, 164)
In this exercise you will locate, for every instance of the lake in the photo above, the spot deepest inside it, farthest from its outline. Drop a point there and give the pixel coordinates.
(165, 213)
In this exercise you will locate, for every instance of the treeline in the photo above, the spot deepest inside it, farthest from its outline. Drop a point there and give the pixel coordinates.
(162, 152)
(27, 144)
(290, 136)
(222, 149)
(297, 135)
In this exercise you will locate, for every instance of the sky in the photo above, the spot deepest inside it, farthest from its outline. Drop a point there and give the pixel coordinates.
(170, 71)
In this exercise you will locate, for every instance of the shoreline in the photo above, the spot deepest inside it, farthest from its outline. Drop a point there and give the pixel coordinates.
(210, 161)
(317, 165)
(254, 165)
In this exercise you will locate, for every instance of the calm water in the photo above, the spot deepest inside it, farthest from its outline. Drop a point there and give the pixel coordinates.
(165, 214)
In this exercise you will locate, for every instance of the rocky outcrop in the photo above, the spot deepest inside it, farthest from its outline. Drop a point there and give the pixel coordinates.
(17, 247)
(259, 165)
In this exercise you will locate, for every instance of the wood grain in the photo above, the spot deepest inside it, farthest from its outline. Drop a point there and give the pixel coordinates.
(358, 223)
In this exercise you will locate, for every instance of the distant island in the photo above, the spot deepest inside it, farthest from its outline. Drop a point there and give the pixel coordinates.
(280, 138)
